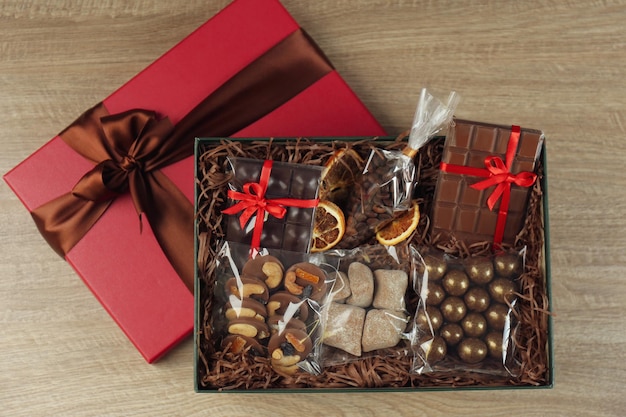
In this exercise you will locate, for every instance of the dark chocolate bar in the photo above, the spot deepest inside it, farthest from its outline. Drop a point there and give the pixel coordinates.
(461, 211)
(286, 180)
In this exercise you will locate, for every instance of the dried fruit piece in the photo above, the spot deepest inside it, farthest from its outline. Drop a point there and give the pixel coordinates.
(329, 226)
(238, 343)
(400, 228)
(342, 170)
(307, 276)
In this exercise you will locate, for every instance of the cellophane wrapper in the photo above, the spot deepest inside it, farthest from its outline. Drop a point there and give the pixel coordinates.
(366, 312)
(283, 309)
(465, 319)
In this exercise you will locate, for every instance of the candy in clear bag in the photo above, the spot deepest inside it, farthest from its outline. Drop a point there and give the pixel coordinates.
(466, 315)
(385, 187)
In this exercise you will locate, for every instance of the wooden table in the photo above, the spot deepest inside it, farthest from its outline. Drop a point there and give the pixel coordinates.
(557, 66)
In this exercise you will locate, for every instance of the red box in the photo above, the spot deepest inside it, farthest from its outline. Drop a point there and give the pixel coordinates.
(124, 267)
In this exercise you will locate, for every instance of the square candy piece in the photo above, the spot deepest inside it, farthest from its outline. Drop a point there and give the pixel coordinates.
(344, 327)
(382, 329)
(391, 286)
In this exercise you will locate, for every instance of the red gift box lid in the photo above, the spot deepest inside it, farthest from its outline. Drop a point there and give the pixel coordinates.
(124, 266)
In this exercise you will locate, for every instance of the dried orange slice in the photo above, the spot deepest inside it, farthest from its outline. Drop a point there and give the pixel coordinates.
(400, 228)
(341, 172)
(328, 227)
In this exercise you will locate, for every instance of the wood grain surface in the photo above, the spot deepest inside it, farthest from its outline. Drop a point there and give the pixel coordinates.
(559, 66)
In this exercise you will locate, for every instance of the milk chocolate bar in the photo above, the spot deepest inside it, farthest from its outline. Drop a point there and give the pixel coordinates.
(461, 211)
(294, 181)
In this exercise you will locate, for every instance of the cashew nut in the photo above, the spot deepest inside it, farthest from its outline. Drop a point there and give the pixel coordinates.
(274, 274)
(290, 283)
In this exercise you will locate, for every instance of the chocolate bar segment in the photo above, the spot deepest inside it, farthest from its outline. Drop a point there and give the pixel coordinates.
(296, 181)
(460, 211)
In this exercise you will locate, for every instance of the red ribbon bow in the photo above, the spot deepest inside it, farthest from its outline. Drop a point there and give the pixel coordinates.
(497, 173)
(252, 201)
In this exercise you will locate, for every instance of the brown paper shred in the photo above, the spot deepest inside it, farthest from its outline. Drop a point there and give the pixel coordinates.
(220, 370)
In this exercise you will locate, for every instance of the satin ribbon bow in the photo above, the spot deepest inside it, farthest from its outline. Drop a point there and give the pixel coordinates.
(252, 201)
(497, 173)
(128, 149)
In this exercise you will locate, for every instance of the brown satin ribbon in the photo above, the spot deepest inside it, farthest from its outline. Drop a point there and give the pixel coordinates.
(129, 149)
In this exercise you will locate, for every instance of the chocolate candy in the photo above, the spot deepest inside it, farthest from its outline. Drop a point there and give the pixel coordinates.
(436, 266)
(287, 349)
(266, 268)
(290, 342)
(244, 287)
(502, 289)
(285, 303)
(306, 280)
(493, 340)
(344, 327)
(455, 282)
(249, 327)
(429, 319)
(361, 284)
(461, 211)
(278, 323)
(452, 333)
(474, 325)
(479, 270)
(390, 288)
(436, 294)
(248, 307)
(437, 350)
(453, 309)
(472, 350)
(477, 299)
(297, 181)
(496, 316)
(507, 265)
(236, 343)
(382, 329)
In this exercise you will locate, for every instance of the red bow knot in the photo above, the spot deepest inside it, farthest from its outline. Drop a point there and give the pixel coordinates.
(502, 178)
(252, 201)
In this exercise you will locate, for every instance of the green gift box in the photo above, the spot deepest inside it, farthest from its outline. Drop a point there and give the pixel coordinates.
(215, 372)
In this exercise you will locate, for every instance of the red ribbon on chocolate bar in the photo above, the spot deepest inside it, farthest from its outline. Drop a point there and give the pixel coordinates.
(497, 173)
(129, 149)
(252, 201)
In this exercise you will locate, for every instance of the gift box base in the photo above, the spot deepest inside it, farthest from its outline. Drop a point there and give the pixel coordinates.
(541, 374)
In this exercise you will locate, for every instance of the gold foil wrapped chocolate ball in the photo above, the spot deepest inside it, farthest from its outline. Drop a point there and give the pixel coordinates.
(479, 270)
(507, 265)
(496, 316)
(477, 299)
(493, 340)
(453, 309)
(452, 333)
(437, 350)
(436, 266)
(472, 350)
(455, 282)
(436, 294)
(502, 289)
(474, 325)
(431, 313)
